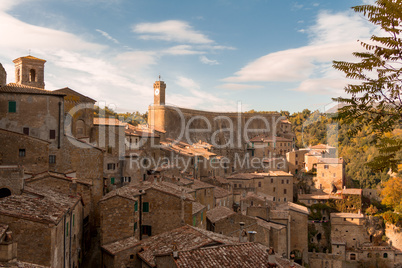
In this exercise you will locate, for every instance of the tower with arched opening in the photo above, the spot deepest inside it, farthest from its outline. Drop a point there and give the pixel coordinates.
(30, 71)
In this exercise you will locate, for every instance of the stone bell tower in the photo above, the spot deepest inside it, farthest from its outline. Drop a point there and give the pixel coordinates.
(30, 71)
(159, 92)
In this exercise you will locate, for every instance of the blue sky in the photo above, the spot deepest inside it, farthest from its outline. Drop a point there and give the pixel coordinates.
(268, 55)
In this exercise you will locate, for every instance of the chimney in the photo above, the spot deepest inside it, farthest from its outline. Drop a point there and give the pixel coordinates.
(73, 187)
(251, 236)
(241, 231)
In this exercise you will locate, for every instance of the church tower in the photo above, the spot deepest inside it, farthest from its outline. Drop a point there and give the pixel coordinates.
(30, 71)
(159, 92)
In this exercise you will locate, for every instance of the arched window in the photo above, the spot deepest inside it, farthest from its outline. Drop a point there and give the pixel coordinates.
(352, 256)
(4, 192)
(32, 75)
(80, 128)
(385, 255)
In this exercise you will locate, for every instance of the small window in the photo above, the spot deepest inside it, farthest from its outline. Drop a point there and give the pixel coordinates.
(12, 107)
(272, 180)
(284, 191)
(135, 226)
(21, 153)
(109, 149)
(112, 180)
(52, 159)
(32, 75)
(283, 181)
(132, 255)
(385, 255)
(25, 130)
(259, 184)
(111, 166)
(52, 134)
(136, 206)
(326, 166)
(285, 199)
(274, 198)
(274, 189)
(352, 256)
(145, 207)
(235, 185)
(287, 181)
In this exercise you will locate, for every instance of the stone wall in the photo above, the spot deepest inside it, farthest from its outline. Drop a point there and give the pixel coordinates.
(165, 211)
(39, 113)
(33, 238)
(394, 234)
(174, 119)
(12, 178)
(36, 156)
(118, 217)
(3, 76)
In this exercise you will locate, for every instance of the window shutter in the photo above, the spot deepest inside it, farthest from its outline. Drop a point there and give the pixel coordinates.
(112, 180)
(12, 107)
(145, 207)
(136, 206)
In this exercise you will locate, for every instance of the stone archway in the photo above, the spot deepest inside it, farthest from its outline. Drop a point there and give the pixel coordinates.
(4, 192)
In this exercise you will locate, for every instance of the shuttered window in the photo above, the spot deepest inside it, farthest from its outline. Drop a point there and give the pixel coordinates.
(12, 107)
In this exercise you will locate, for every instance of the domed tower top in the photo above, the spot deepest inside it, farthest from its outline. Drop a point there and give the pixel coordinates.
(30, 71)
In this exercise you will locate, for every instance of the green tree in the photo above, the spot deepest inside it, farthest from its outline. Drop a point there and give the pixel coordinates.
(376, 100)
(392, 192)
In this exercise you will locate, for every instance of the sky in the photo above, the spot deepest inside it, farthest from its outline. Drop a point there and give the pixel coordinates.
(213, 55)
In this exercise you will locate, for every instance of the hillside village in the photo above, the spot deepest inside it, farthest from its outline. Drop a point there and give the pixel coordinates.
(189, 188)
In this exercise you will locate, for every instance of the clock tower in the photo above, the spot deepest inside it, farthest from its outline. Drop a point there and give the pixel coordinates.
(159, 92)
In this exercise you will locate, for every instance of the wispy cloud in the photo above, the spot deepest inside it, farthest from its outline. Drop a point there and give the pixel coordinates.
(333, 37)
(181, 50)
(105, 34)
(239, 86)
(205, 60)
(171, 30)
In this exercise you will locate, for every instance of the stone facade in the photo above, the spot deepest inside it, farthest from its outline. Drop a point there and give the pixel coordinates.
(330, 174)
(23, 150)
(3, 76)
(349, 228)
(30, 71)
(295, 160)
(11, 180)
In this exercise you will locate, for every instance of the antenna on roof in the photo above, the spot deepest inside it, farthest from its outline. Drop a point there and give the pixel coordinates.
(29, 52)
(159, 77)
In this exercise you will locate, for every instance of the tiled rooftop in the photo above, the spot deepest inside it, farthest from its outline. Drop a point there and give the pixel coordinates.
(219, 213)
(350, 191)
(197, 185)
(321, 147)
(220, 192)
(69, 91)
(260, 196)
(42, 205)
(183, 238)
(295, 207)
(264, 138)
(23, 89)
(108, 122)
(165, 187)
(244, 176)
(197, 207)
(121, 245)
(330, 161)
(127, 191)
(247, 255)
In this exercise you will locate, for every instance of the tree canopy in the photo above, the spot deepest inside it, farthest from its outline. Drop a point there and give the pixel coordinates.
(376, 100)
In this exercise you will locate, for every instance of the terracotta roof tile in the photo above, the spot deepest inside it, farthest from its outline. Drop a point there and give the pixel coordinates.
(183, 238)
(108, 121)
(220, 192)
(121, 245)
(197, 207)
(247, 255)
(23, 89)
(48, 206)
(219, 213)
(165, 187)
(127, 191)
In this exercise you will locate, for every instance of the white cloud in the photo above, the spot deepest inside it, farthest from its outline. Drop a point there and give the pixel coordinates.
(105, 34)
(181, 50)
(239, 86)
(205, 60)
(333, 37)
(171, 30)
